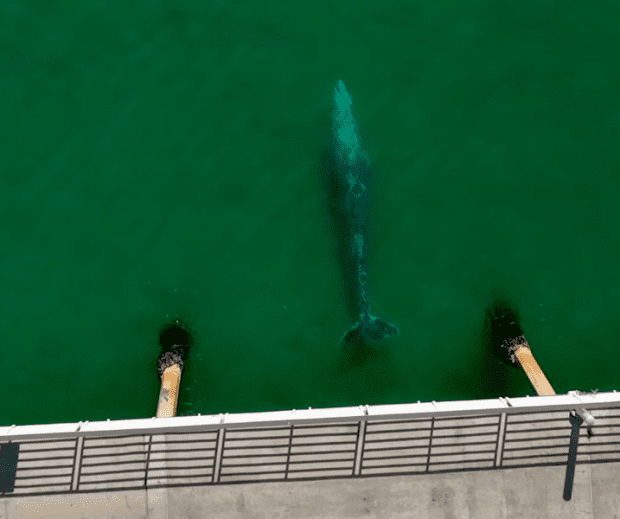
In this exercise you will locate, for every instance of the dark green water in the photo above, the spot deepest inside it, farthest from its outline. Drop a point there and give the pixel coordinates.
(161, 161)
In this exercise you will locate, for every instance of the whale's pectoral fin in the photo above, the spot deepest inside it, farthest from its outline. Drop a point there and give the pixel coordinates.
(374, 330)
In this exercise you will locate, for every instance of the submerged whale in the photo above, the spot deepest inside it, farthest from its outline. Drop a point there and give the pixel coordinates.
(354, 170)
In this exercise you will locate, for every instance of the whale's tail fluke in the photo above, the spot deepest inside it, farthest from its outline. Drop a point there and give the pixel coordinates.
(369, 329)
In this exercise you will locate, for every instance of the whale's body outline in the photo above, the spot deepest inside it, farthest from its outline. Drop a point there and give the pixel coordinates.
(353, 165)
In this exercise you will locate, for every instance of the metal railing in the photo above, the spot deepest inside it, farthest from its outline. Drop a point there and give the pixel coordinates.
(303, 444)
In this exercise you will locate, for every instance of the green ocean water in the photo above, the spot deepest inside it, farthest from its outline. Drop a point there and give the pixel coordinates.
(162, 160)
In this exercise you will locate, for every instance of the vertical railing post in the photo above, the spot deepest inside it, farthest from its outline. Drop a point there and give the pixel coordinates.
(288, 454)
(77, 463)
(359, 448)
(217, 464)
(430, 444)
(501, 433)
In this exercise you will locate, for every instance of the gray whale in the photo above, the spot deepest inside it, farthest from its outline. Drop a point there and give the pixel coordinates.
(353, 167)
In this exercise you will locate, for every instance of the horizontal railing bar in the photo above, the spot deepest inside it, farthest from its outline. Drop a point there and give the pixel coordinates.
(568, 402)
